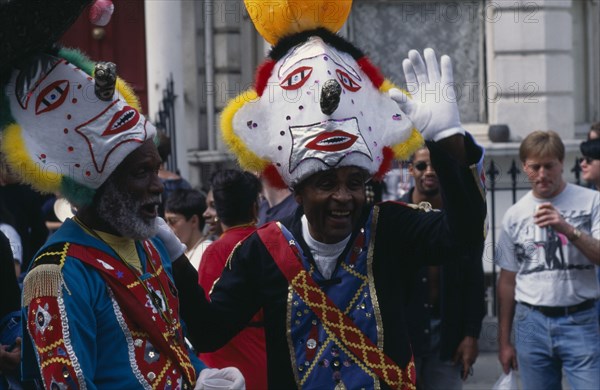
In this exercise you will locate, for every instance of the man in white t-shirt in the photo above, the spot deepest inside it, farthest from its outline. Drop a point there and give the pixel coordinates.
(549, 243)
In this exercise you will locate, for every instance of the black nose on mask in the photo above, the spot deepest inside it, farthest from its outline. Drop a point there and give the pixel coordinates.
(330, 96)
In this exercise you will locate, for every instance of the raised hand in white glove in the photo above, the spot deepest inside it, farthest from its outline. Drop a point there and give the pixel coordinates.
(433, 108)
(229, 377)
(175, 248)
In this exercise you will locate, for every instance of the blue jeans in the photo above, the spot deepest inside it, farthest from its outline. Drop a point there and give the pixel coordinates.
(546, 345)
(10, 329)
(433, 372)
(598, 303)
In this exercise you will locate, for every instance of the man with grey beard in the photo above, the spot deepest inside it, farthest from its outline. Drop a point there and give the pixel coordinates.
(100, 308)
(117, 302)
(121, 205)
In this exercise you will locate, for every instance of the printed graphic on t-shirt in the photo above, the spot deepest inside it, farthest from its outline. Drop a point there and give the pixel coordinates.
(551, 254)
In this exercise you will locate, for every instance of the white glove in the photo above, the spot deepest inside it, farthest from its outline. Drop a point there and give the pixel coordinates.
(175, 248)
(433, 107)
(228, 376)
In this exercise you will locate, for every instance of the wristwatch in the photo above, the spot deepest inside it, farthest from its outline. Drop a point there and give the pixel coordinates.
(575, 235)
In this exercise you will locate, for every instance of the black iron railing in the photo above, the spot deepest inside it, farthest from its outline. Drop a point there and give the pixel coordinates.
(165, 121)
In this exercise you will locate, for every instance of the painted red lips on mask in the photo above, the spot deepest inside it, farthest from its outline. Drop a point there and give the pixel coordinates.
(122, 121)
(332, 141)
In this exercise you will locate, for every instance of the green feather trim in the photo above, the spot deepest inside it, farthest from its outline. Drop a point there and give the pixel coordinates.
(78, 194)
(78, 59)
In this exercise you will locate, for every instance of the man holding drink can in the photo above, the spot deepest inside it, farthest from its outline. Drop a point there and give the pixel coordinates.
(547, 282)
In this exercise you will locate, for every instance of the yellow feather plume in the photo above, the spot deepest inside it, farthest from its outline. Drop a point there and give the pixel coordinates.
(246, 158)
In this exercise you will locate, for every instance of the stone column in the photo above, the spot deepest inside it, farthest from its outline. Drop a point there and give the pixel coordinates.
(530, 65)
(164, 57)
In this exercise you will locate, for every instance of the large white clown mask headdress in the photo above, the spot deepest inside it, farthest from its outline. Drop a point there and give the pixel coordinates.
(68, 123)
(317, 103)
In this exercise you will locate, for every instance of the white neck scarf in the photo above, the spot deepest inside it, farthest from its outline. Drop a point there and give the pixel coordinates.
(325, 255)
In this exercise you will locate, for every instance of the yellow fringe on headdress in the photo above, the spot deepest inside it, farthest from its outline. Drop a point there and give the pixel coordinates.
(18, 157)
(45, 280)
(387, 85)
(246, 158)
(404, 150)
(127, 92)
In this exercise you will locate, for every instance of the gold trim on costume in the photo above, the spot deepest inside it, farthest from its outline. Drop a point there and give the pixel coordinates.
(288, 331)
(302, 287)
(372, 290)
(228, 262)
(45, 280)
(312, 366)
(359, 292)
(53, 360)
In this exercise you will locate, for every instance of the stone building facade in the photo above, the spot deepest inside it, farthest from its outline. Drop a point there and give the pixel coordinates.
(527, 64)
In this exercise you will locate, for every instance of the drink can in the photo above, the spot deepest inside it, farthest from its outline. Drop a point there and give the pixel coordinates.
(540, 234)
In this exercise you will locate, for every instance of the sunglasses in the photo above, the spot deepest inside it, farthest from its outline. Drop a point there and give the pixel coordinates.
(588, 160)
(422, 165)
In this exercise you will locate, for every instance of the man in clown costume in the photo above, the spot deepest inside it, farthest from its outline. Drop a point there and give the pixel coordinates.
(332, 278)
(100, 308)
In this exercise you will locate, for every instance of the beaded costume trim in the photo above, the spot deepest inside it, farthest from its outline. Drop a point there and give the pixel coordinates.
(130, 345)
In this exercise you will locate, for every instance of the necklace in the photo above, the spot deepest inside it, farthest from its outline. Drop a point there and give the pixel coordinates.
(191, 251)
(161, 305)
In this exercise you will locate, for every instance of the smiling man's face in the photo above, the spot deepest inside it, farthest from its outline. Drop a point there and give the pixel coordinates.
(333, 201)
(426, 180)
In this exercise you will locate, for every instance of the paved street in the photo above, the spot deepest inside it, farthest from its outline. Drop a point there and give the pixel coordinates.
(487, 368)
(485, 372)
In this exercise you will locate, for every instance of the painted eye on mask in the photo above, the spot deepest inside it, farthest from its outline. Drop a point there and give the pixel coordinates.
(297, 78)
(347, 81)
(52, 96)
